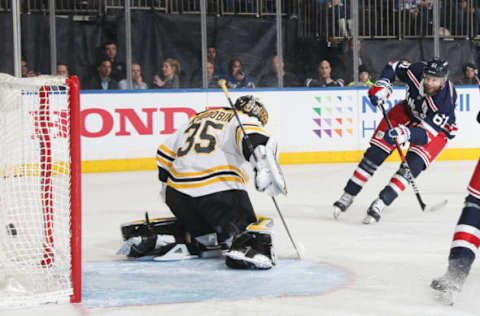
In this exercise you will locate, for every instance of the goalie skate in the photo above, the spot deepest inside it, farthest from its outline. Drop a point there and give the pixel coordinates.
(248, 260)
(251, 250)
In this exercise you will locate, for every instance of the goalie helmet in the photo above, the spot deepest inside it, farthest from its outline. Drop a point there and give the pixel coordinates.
(252, 106)
(437, 68)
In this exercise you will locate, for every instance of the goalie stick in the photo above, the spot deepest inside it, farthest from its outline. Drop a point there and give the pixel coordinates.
(222, 84)
(409, 176)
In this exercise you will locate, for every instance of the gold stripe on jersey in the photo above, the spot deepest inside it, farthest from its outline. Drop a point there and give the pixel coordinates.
(166, 151)
(209, 171)
(161, 162)
(248, 127)
(203, 183)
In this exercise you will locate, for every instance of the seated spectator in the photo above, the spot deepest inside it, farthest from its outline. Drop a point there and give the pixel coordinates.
(212, 79)
(25, 71)
(270, 79)
(212, 56)
(470, 75)
(196, 81)
(110, 53)
(103, 80)
(137, 80)
(62, 70)
(171, 70)
(324, 77)
(363, 78)
(236, 77)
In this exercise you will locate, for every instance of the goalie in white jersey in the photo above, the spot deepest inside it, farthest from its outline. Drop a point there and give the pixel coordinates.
(203, 171)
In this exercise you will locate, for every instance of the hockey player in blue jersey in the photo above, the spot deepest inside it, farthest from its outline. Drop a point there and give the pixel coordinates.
(425, 119)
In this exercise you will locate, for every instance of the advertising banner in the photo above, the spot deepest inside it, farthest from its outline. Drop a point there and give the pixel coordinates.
(131, 124)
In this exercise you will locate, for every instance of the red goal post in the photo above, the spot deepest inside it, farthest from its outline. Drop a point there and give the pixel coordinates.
(40, 190)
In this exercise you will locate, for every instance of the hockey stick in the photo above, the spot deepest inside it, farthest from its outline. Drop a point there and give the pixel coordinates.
(409, 176)
(222, 84)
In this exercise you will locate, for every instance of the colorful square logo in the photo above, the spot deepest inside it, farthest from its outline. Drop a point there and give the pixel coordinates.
(334, 116)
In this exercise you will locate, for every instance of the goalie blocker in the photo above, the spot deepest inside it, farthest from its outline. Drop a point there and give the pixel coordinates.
(202, 168)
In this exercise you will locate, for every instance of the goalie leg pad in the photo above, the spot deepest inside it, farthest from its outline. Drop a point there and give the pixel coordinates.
(165, 247)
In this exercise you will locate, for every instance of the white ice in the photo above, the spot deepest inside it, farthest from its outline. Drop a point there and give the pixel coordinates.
(391, 263)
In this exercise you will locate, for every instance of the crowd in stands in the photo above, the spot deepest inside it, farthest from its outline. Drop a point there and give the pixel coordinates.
(110, 73)
(417, 15)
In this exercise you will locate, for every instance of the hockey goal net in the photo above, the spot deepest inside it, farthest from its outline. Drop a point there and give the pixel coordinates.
(39, 190)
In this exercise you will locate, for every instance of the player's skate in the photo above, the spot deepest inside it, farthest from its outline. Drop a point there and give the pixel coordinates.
(342, 204)
(448, 287)
(374, 212)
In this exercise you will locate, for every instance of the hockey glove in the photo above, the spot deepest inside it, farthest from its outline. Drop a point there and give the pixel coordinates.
(268, 174)
(380, 92)
(401, 133)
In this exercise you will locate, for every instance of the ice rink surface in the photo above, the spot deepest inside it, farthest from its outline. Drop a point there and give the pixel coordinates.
(390, 263)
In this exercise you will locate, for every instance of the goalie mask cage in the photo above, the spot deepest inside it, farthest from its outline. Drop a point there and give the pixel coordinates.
(40, 219)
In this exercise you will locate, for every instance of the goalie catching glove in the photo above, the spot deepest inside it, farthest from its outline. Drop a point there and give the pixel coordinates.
(268, 174)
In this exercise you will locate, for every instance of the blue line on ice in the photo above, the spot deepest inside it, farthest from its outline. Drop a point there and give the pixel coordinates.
(124, 283)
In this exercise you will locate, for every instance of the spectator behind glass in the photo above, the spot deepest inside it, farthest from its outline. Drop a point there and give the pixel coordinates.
(110, 53)
(212, 56)
(270, 79)
(62, 70)
(218, 70)
(363, 78)
(25, 71)
(212, 79)
(137, 80)
(236, 77)
(171, 70)
(102, 80)
(470, 75)
(324, 77)
(347, 62)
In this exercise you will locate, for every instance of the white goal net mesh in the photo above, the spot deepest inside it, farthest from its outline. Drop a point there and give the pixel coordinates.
(35, 254)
